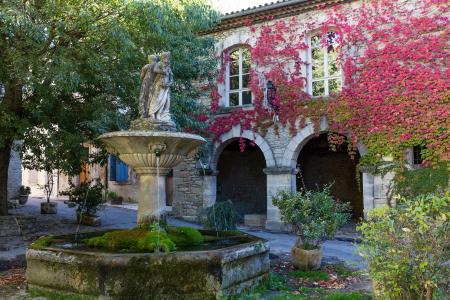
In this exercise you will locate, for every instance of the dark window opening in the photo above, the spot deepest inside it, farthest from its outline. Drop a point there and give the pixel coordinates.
(417, 155)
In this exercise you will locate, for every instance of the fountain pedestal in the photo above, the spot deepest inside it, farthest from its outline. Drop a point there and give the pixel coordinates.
(151, 196)
(151, 153)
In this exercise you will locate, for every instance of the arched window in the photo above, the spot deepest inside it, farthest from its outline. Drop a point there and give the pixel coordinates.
(325, 72)
(238, 89)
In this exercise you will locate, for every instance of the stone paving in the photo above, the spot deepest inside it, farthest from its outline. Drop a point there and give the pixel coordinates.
(13, 247)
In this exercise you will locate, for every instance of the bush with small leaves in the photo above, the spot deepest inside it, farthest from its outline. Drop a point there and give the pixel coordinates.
(407, 248)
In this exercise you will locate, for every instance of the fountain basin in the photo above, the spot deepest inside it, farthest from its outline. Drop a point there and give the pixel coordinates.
(152, 154)
(139, 148)
(177, 275)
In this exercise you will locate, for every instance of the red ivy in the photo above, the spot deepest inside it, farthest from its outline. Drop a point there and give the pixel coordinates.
(394, 58)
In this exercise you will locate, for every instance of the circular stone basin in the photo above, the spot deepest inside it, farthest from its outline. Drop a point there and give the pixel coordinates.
(137, 148)
(208, 271)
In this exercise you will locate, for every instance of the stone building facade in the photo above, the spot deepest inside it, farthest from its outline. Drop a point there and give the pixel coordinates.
(278, 160)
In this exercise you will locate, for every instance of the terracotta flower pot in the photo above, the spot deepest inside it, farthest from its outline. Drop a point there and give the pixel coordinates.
(306, 259)
(49, 207)
(88, 220)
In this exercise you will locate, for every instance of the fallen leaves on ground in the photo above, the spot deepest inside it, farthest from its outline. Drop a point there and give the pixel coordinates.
(14, 276)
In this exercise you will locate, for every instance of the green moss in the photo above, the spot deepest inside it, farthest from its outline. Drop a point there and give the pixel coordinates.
(118, 240)
(141, 239)
(54, 295)
(151, 241)
(185, 236)
(42, 242)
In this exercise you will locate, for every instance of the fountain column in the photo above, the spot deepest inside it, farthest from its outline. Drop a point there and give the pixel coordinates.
(151, 196)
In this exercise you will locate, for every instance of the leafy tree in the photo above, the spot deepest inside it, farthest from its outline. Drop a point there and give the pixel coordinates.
(69, 71)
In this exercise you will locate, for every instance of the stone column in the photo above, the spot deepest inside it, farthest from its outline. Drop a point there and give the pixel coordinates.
(151, 195)
(368, 192)
(278, 178)
(209, 189)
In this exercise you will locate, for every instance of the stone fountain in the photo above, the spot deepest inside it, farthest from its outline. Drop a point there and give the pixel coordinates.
(152, 146)
(225, 264)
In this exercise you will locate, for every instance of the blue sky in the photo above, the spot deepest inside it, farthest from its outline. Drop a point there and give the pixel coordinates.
(226, 6)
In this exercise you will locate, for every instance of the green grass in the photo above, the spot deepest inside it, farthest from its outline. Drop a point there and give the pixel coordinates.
(342, 271)
(346, 296)
(310, 275)
(51, 295)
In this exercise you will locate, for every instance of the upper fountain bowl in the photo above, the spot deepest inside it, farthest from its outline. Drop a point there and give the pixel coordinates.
(140, 148)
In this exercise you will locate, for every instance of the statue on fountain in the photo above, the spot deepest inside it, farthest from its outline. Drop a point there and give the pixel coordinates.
(154, 99)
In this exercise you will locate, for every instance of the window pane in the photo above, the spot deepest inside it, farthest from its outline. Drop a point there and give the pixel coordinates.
(234, 99)
(234, 67)
(245, 54)
(315, 42)
(246, 97)
(333, 64)
(245, 81)
(317, 62)
(318, 88)
(245, 66)
(234, 82)
(334, 86)
(234, 56)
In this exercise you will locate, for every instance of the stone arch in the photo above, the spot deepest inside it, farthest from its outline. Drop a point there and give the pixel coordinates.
(235, 133)
(302, 137)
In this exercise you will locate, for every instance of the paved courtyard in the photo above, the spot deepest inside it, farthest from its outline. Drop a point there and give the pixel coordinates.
(124, 216)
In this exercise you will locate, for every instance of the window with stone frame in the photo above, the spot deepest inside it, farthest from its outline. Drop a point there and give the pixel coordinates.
(325, 76)
(238, 78)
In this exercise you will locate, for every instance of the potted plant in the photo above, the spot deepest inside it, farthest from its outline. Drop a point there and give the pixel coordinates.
(315, 216)
(89, 199)
(23, 192)
(48, 207)
(114, 198)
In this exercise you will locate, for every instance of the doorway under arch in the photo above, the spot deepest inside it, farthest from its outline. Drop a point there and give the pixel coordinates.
(241, 178)
(319, 165)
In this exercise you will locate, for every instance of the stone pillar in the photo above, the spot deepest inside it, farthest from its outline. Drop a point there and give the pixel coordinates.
(368, 192)
(150, 185)
(209, 189)
(278, 178)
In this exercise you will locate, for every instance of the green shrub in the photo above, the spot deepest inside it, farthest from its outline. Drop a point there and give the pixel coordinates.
(221, 216)
(409, 184)
(315, 215)
(184, 236)
(88, 196)
(407, 248)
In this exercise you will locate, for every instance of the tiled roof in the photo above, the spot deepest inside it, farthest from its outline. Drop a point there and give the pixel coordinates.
(266, 6)
(273, 10)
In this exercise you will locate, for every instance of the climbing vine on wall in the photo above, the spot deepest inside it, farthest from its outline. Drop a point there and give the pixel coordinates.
(394, 60)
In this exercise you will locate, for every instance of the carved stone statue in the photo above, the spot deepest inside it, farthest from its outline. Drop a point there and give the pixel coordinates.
(157, 77)
(148, 78)
(160, 93)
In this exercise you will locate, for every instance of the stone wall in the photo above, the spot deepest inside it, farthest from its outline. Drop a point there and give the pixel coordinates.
(188, 190)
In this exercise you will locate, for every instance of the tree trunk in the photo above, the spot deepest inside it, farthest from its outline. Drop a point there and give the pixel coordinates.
(12, 101)
(5, 153)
